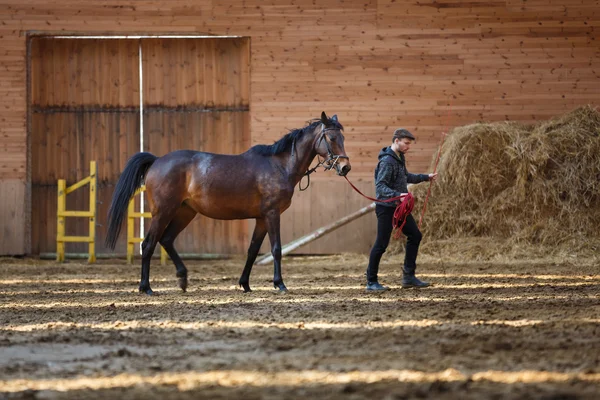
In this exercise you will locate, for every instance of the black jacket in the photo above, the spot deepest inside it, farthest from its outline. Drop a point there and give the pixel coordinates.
(391, 176)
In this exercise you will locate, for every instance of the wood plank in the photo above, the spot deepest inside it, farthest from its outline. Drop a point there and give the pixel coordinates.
(12, 214)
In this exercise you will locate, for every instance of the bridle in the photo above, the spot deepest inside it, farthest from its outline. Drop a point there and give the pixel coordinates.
(331, 160)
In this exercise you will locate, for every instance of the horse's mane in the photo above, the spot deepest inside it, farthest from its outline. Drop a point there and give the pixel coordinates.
(286, 141)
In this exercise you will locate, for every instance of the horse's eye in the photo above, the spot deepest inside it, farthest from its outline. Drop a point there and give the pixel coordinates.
(332, 138)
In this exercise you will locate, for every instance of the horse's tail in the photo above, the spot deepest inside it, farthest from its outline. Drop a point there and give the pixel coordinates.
(130, 180)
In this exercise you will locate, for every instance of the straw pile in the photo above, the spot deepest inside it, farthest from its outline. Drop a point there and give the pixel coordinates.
(519, 185)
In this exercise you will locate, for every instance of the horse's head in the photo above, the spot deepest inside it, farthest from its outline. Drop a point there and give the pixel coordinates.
(329, 144)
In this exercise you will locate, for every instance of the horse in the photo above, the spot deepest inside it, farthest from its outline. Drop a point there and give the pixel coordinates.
(256, 184)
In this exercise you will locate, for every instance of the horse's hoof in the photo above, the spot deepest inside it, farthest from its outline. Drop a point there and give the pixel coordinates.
(148, 291)
(245, 286)
(183, 284)
(282, 291)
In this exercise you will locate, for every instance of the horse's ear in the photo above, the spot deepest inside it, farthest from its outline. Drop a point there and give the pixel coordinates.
(334, 119)
(324, 118)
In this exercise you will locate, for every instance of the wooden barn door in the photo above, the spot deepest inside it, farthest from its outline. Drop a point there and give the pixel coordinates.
(84, 106)
(196, 96)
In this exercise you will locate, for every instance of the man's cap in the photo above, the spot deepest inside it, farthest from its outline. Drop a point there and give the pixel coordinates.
(402, 133)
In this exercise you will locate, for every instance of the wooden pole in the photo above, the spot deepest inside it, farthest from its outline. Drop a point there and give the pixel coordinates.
(130, 230)
(288, 248)
(92, 242)
(131, 239)
(60, 223)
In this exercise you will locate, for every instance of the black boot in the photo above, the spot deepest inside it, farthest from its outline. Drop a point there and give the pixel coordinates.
(376, 287)
(409, 280)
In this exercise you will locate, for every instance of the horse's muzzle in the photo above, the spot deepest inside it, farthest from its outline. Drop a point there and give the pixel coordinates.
(344, 170)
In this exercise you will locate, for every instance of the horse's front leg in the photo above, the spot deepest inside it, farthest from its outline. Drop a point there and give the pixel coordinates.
(260, 231)
(273, 228)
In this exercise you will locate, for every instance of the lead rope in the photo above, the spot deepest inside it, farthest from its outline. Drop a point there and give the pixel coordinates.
(403, 209)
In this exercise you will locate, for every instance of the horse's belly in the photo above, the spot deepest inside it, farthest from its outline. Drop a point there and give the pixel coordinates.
(224, 208)
(237, 206)
(226, 213)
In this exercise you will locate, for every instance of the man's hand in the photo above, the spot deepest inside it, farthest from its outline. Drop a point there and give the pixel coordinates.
(433, 177)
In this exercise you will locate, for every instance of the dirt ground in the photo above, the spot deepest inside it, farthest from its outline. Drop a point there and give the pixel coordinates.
(485, 330)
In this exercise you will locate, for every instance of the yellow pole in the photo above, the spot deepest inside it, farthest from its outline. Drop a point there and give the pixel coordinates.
(163, 255)
(130, 230)
(131, 238)
(92, 243)
(60, 221)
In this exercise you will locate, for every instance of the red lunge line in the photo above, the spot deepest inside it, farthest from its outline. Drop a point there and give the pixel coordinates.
(402, 196)
(403, 209)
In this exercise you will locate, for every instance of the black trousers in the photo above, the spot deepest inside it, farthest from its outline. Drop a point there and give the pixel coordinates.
(384, 232)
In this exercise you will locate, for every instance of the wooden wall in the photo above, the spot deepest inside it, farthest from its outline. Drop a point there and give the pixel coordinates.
(378, 64)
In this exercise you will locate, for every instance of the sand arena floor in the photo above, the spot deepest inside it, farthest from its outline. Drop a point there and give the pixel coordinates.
(527, 329)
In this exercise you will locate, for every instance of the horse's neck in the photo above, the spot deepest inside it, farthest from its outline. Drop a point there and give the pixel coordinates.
(299, 159)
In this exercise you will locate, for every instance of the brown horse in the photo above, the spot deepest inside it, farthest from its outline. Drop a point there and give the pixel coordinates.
(256, 184)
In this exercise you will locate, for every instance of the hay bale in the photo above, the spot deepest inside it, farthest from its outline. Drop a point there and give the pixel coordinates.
(531, 184)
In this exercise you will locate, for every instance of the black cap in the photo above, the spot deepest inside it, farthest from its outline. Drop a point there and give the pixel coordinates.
(402, 133)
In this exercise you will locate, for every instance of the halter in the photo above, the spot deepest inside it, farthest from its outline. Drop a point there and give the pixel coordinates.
(329, 163)
(332, 159)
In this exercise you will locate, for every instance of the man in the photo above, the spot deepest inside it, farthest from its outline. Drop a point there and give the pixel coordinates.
(391, 180)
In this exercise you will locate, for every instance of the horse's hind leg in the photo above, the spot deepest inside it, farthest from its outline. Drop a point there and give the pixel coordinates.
(157, 227)
(185, 214)
(260, 231)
